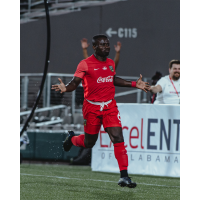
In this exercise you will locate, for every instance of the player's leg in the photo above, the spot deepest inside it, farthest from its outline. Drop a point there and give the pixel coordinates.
(92, 125)
(84, 140)
(116, 136)
(112, 125)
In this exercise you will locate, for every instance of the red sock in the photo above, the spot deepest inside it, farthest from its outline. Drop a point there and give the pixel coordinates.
(78, 140)
(121, 156)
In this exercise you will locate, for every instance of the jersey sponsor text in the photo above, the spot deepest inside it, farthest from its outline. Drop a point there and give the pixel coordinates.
(105, 79)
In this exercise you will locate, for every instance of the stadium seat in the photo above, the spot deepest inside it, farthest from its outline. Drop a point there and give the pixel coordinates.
(32, 126)
(67, 119)
(57, 127)
(69, 127)
(65, 112)
(55, 113)
(44, 119)
(23, 119)
(44, 127)
(43, 113)
(78, 118)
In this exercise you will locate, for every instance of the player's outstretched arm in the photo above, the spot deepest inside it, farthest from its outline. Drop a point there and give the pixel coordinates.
(117, 49)
(71, 86)
(139, 83)
(85, 45)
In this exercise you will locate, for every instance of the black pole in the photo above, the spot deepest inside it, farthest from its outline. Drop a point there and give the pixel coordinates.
(45, 68)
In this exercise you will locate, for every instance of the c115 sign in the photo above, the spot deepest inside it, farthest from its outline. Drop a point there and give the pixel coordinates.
(122, 32)
(151, 134)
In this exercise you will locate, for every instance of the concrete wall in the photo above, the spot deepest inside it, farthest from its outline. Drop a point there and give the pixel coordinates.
(149, 31)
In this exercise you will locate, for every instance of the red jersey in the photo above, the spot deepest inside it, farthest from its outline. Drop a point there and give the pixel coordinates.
(97, 78)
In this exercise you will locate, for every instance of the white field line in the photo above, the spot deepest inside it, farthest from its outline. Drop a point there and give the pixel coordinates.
(94, 180)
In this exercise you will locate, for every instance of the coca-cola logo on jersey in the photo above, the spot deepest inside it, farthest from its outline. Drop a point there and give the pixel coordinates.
(105, 79)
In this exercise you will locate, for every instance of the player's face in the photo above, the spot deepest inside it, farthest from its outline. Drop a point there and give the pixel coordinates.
(103, 47)
(174, 72)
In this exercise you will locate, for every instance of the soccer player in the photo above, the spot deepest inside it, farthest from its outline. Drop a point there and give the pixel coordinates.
(97, 74)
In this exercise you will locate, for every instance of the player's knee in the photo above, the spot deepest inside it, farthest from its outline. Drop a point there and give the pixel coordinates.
(118, 139)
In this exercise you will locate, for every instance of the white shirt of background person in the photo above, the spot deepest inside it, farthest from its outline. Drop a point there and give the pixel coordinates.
(168, 91)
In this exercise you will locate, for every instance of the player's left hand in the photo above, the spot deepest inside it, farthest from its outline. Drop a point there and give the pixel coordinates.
(118, 47)
(61, 87)
(142, 85)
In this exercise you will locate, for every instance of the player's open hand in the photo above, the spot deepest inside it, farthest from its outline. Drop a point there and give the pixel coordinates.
(142, 85)
(60, 87)
(118, 47)
(84, 43)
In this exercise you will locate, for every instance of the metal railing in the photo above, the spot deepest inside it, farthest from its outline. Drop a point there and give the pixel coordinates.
(33, 9)
(42, 109)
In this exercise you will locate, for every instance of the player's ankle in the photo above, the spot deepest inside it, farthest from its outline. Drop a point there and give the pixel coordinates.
(123, 173)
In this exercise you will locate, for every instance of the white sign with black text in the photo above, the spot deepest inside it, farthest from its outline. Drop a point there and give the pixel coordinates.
(151, 136)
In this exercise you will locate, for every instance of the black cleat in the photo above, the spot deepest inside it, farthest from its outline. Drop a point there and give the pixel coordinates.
(126, 182)
(67, 144)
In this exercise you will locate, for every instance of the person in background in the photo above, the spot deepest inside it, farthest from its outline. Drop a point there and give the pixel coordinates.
(155, 79)
(168, 87)
(85, 45)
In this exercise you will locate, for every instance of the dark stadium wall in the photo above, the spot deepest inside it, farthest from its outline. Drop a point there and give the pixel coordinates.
(148, 30)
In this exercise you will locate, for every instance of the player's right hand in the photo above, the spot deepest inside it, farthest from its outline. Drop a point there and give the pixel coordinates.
(142, 85)
(84, 43)
(61, 87)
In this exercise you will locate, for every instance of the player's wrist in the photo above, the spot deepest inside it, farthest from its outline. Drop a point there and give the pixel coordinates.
(133, 83)
(65, 90)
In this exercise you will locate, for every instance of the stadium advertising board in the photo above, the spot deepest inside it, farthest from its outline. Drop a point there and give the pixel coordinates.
(152, 139)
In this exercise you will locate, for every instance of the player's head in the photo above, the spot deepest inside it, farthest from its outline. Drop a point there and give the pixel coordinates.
(156, 77)
(174, 69)
(101, 45)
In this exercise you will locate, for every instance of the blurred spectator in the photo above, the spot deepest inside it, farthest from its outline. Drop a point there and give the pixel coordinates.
(85, 45)
(168, 87)
(155, 79)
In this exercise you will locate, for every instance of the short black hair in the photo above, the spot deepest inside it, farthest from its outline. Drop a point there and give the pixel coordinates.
(173, 62)
(94, 39)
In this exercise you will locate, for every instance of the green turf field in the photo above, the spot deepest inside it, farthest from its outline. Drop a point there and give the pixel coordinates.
(79, 182)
